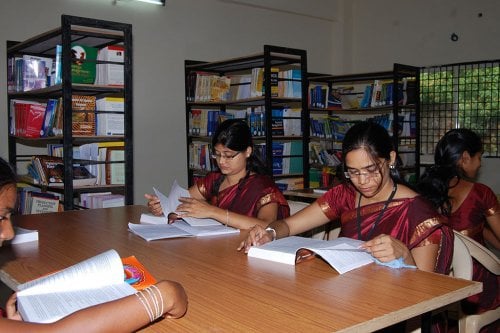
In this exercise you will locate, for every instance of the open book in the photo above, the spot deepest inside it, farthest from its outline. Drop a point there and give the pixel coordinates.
(169, 205)
(178, 229)
(342, 253)
(93, 281)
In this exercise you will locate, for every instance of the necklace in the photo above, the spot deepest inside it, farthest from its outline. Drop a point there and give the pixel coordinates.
(379, 217)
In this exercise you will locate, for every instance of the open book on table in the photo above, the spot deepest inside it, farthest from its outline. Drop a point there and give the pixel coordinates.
(178, 229)
(169, 205)
(93, 281)
(342, 253)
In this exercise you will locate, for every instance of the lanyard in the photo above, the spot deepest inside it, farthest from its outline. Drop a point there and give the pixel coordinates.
(379, 217)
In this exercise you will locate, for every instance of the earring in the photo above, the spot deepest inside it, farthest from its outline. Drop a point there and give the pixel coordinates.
(392, 167)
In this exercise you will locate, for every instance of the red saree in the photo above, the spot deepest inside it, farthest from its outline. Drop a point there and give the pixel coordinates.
(413, 221)
(470, 220)
(245, 198)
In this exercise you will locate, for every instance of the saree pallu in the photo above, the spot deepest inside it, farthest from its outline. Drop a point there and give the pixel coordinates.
(247, 197)
(412, 221)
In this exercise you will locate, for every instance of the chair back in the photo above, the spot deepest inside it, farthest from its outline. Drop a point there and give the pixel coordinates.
(461, 263)
(479, 252)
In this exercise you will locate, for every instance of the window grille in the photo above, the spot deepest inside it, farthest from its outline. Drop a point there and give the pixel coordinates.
(465, 95)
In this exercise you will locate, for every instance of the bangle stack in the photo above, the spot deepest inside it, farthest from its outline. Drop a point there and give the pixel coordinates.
(152, 300)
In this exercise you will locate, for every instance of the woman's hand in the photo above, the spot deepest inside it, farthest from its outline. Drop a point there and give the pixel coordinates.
(11, 308)
(386, 248)
(256, 236)
(154, 204)
(192, 207)
(175, 298)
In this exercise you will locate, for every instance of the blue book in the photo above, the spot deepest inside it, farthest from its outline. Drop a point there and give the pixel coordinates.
(48, 120)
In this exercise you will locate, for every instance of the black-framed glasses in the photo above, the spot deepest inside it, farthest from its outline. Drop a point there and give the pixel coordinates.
(227, 157)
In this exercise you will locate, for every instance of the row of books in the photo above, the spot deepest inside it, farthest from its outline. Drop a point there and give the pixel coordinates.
(104, 160)
(210, 87)
(31, 72)
(287, 157)
(376, 94)
(31, 200)
(334, 127)
(286, 121)
(329, 127)
(199, 156)
(318, 154)
(33, 119)
(49, 171)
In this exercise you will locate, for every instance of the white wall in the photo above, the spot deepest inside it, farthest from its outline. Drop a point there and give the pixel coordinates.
(340, 36)
(418, 33)
(163, 37)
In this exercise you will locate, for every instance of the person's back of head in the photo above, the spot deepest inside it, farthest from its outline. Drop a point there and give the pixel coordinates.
(434, 183)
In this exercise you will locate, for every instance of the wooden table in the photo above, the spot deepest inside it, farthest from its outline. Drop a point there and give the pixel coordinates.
(229, 292)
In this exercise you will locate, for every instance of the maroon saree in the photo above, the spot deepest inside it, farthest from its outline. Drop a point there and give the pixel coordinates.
(413, 221)
(470, 220)
(246, 197)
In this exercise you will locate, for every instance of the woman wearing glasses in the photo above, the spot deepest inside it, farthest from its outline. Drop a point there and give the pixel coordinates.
(240, 194)
(374, 206)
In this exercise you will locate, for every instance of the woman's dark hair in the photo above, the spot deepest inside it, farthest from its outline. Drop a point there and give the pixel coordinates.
(434, 183)
(7, 174)
(235, 135)
(374, 139)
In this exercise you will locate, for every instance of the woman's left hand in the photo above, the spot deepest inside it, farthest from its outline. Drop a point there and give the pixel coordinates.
(192, 207)
(386, 248)
(11, 308)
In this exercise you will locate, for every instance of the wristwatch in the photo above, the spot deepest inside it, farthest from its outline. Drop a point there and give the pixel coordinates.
(272, 231)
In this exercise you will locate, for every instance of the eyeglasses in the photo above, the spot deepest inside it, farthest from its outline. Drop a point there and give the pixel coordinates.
(371, 171)
(226, 157)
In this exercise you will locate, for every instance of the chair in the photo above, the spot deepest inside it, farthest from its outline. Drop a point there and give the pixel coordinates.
(464, 249)
(462, 268)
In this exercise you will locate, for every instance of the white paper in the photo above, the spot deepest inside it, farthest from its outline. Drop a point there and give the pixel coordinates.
(157, 231)
(147, 218)
(90, 282)
(169, 204)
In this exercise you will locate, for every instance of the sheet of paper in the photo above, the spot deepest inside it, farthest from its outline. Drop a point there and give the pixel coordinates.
(170, 203)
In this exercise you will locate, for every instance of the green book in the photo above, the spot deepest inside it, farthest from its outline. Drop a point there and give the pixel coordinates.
(83, 64)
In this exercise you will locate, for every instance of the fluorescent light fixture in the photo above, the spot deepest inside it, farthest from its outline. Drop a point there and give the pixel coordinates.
(155, 2)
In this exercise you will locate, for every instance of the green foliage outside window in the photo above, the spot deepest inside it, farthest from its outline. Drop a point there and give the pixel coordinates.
(461, 96)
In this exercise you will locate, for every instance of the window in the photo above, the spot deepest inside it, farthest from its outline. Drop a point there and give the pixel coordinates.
(463, 95)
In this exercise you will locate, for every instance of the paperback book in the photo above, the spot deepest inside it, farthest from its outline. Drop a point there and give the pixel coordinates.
(343, 254)
(97, 280)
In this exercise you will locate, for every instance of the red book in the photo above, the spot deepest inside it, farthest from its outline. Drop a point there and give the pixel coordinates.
(34, 120)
